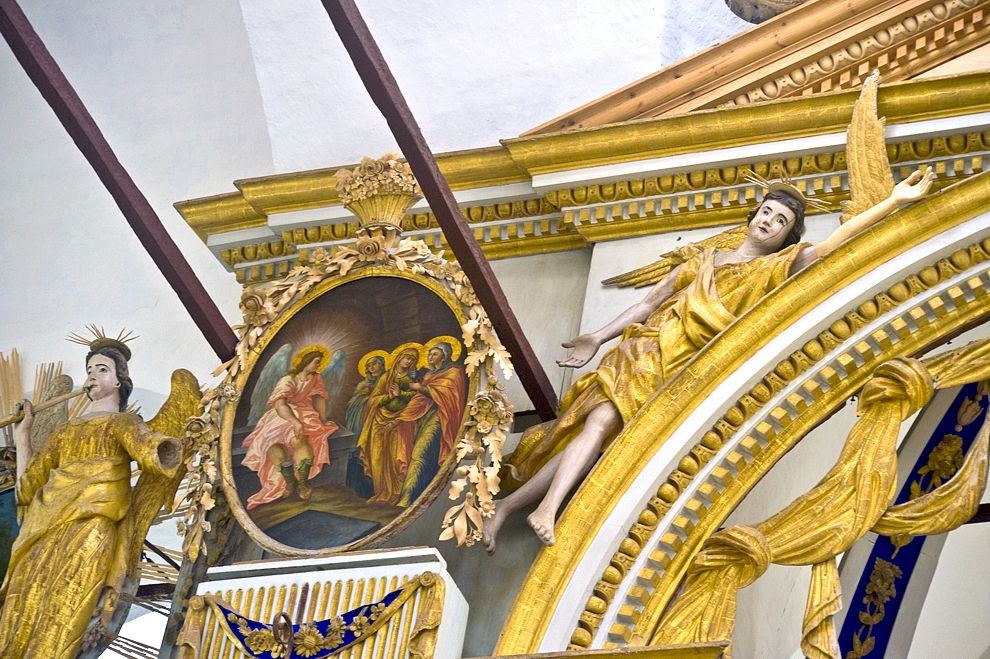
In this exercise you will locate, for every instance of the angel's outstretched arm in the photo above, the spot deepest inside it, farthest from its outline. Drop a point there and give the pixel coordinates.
(585, 346)
(912, 188)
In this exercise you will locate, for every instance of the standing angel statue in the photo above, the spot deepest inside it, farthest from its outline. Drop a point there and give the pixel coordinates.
(83, 522)
(698, 291)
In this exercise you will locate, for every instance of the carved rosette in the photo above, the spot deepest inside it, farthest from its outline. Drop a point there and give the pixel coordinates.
(378, 192)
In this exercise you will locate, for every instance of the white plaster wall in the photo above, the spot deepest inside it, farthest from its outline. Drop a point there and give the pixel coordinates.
(175, 89)
(472, 73)
(172, 87)
(545, 292)
(954, 618)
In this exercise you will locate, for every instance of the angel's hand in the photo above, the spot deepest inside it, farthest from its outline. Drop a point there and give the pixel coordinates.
(914, 187)
(297, 426)
(583, 348)
(25, 408)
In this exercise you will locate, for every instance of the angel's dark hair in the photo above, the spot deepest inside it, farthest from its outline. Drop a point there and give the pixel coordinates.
(120, 366)
(795, 204)
(306, 359)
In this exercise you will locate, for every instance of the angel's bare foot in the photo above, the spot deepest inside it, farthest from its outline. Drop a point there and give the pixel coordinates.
(542, 523)
(492, 526)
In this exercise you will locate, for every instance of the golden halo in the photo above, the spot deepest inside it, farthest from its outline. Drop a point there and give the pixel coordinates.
(785, 185)
(363, 364)
(418, 347)
(455, 346)
(316, 347)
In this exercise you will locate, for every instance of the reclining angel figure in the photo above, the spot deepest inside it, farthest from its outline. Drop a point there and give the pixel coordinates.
(690, 303)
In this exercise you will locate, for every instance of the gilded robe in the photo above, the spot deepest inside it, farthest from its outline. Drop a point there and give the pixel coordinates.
(383, 452)
(77, 537)
(706, 299)
(272, 429)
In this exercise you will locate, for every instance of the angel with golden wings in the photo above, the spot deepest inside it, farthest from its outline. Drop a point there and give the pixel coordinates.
(697, 292)
(83, 521)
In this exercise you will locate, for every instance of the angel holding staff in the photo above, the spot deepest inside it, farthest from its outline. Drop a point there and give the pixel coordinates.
(678, 317)
(83, 521)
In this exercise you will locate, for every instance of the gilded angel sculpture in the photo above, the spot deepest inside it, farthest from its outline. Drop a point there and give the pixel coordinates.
(83, 522)
(710, 287)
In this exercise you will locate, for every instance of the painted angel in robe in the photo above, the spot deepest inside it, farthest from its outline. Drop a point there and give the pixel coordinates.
(289, 443)
(84, 523)
(709, 287)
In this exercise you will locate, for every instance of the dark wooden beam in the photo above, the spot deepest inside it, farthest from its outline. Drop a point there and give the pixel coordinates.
(46, 75)
(384, 91)
(982, 514)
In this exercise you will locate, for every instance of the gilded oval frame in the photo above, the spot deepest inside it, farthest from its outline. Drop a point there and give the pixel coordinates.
(440, 479)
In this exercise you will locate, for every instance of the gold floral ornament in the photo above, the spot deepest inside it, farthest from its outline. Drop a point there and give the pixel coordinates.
(880, 590)
(489, 418)
(378, 192)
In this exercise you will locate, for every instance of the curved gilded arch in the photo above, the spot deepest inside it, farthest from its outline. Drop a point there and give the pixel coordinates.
(614, 496)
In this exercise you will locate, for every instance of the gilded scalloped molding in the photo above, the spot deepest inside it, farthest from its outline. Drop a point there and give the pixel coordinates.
(624, 209)
(623, 463)
(899, 49)
(752, 448)
(518, 159)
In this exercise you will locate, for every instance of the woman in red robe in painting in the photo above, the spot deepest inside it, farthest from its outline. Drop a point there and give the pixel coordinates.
(289, 445)
(431, 420)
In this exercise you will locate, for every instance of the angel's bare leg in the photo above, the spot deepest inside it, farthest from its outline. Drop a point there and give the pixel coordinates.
(557, 477)
(576, 461)
(529, 492)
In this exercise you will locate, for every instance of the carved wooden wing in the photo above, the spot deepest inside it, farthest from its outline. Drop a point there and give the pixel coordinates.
(654, 272)
(870, 180)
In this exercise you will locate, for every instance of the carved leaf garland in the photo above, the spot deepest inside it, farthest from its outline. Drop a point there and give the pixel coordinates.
(490, 413)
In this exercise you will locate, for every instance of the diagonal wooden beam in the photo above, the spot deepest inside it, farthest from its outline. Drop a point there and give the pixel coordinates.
(46, 75)
(384, 91)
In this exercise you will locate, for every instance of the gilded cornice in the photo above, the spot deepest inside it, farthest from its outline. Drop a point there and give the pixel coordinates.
(281, 193)
(220, 213)
(818, 47)
(572, 216)
(746, 125)
(630, 452)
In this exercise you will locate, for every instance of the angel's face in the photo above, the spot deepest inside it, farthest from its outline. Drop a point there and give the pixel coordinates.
(101, 377)
(312, 366)
(772, 224)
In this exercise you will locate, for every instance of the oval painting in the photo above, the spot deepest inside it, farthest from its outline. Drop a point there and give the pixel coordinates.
(348, 416)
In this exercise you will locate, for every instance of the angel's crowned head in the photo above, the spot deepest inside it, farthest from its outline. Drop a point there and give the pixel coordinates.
(107, 376)
(778, 221)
